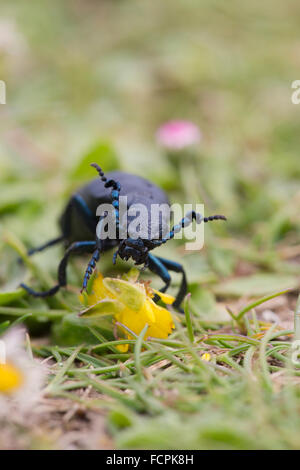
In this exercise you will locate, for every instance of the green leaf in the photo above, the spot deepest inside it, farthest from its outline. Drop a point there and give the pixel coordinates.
(120, 418)
(256, 285)
(13, 195)
(9, 297)
(132, 275)
(258, 302)
(129, 294)
(188, 319)
(4, 326)
(73, 330)
(102, 153)
(222, 261)
(101, 308)
(203, 299)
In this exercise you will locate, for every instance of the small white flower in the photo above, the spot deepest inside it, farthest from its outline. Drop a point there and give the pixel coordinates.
(21, 378)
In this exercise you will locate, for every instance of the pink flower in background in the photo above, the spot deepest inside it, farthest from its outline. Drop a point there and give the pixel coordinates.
(177, 135)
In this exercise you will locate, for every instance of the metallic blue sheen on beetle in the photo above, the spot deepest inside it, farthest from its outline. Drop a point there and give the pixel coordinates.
(79, 221)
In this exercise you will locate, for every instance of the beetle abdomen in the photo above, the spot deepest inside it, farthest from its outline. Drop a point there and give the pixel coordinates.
(138, 190)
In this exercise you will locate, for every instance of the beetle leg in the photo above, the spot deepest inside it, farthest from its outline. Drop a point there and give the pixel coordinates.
(157, 267)
(90, 268)
(161, 267)
(47, 293)
(45, 245)
(93, 261)
(177, 268)
(77, 247)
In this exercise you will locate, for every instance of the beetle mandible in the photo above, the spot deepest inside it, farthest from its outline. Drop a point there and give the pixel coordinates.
(79, 221)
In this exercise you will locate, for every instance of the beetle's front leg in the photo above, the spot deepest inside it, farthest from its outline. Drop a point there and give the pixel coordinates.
(157, 267)
(96, 255)
(90, 267)
(160, 266)
(177, 268)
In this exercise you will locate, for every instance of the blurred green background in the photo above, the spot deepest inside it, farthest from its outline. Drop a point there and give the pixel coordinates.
(92, 80)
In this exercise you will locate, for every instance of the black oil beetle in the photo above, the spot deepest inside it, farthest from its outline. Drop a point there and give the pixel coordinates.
(79, 223)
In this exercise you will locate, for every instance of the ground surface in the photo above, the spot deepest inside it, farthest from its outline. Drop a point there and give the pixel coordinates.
(91, 80)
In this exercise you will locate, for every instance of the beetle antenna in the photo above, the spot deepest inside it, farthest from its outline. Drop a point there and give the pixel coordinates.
(115, 192)
(214, 217)
(186, 221)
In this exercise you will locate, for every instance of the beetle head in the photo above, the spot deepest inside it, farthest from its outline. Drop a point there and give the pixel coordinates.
(137, 249)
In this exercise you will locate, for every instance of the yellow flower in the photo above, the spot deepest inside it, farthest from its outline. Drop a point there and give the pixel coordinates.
(131, 304)
(21, 377)
(206, 357)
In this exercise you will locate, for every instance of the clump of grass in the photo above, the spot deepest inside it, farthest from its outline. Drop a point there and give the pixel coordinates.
(160, 393)
(161, 387)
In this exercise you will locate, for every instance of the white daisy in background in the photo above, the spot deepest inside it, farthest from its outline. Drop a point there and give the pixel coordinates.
(21, 377)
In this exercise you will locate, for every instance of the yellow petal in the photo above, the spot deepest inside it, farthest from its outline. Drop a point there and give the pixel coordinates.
(123, 348)
(166, 298)
(97, 292)
(162, 316)
(99, 289)
(132, 320)
(84, 299)
(147, 312)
